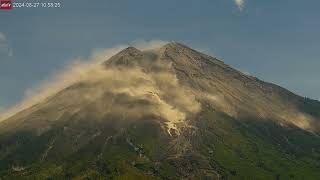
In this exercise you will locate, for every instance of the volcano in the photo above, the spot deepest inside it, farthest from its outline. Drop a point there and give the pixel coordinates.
(165, 113)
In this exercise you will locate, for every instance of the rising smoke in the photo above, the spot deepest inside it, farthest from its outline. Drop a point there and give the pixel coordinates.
(125, 93)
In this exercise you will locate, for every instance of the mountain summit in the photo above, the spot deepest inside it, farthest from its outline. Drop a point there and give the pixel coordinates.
(164, 113)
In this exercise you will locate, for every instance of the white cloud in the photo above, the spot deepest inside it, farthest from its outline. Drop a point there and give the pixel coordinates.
(2, 37)
(146, 45)
(240, 4)
(247, 73)
(5, 49)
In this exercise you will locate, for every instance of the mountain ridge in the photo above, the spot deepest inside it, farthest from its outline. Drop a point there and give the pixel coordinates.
(165, 113)
(198, 65)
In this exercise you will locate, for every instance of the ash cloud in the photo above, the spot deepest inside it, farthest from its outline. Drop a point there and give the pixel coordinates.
(71, 74)
(132, 93)
(125, 93)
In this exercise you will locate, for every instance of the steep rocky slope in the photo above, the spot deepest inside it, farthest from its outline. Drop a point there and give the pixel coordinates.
(166, 113)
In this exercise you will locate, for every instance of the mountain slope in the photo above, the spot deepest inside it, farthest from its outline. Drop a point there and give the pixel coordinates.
(165, 113)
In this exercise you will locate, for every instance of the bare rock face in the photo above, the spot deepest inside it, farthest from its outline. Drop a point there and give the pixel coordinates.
(164, 113)
(127, 56)
(234, 93)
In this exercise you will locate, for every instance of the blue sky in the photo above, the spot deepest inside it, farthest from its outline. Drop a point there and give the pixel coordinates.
(277, 41)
